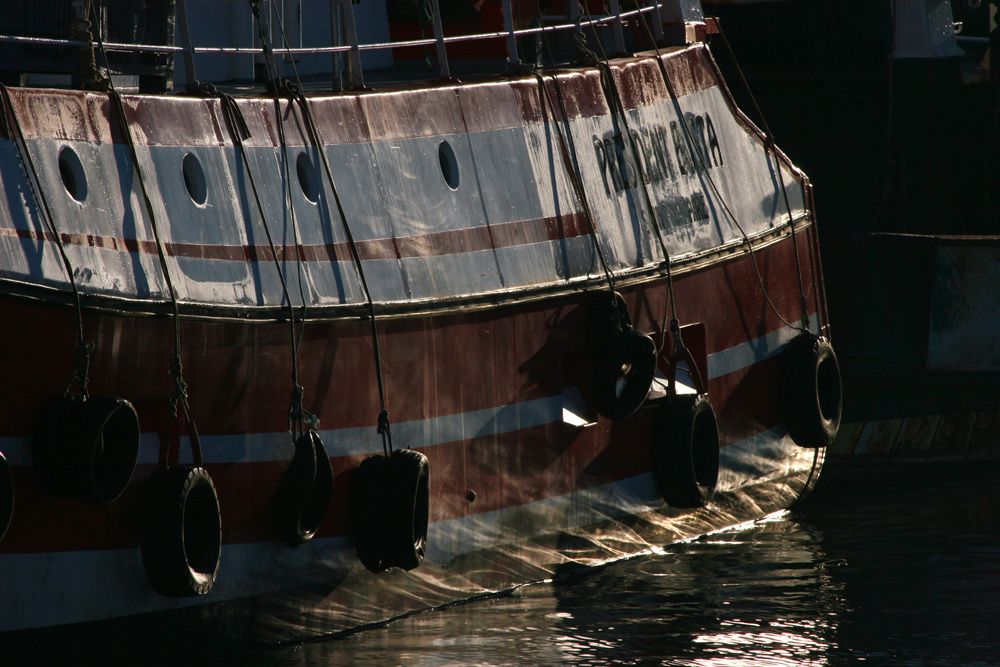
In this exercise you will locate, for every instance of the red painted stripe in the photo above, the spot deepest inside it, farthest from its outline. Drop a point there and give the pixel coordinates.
(238, 377)
(500, 235)
(433, 365)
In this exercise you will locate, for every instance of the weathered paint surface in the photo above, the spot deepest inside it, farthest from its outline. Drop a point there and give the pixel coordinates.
(481, 393)
(511, 221)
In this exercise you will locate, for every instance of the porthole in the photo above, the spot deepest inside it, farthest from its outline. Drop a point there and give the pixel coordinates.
(74, 179)
(449, 164)
(307, 177)
(194, 179)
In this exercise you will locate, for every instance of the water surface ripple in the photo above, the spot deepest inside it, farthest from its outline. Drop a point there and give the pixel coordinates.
(897, 567)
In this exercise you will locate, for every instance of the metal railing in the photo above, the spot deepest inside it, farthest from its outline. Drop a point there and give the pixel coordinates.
(616, 21)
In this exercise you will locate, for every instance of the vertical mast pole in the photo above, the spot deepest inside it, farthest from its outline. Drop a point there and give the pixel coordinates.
(190, 75)
(617, 33)
(442, 52)
(508, 25)
(354, 71)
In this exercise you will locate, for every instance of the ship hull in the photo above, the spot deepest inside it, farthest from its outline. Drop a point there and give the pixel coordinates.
(479, 224)
(483, 394)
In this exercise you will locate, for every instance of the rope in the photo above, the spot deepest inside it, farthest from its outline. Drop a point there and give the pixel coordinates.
(570, 162)
(701, 166)
(180, 395)
(239, 131)
(771, 147)
(82, 349)
(617, 106)
(299, 418)
(294, 91)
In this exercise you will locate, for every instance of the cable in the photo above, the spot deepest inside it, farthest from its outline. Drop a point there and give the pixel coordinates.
(180, 395)
(570, 161)
(769, 145)
(692, 148)
(615, 102)
(298, 417)
(384, 428)
(83, 349)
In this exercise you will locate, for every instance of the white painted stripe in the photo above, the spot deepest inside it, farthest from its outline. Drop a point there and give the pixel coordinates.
(744, 355)
(75, 586)
(424, 433)
(417, 433)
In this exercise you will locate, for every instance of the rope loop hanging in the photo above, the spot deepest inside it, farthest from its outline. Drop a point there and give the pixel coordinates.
(567, 152)
(770, 147)
(295, 92)
(299, 420)
(617, 108)
(80, 378)
(179, 397)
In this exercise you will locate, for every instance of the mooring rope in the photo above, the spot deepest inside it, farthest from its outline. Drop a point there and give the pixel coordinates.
(603, 63)
(180, 396)
(696, 154)
(295, 93)
(82, 349)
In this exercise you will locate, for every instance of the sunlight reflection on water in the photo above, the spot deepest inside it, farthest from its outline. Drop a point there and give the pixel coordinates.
(899, 572)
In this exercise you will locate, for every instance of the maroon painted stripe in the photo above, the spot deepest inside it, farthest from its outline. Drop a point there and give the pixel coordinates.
(238, 377)
(469, 239)
(473, 361)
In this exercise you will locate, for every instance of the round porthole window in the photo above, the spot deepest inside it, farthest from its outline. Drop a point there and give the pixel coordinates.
(307, 177)
(449, 164)
(194, 179)
(71, 172)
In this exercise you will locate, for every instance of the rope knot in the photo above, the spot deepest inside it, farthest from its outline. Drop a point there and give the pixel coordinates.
(81, 374)
(295, 412)
(384, 427)
(180, 395)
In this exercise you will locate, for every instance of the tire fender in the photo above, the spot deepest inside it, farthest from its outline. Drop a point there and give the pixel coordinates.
(628, 356)
(304, 494)
(86, 450)
(812, 394)
(181, 539)
(390, 507)
(685, 437)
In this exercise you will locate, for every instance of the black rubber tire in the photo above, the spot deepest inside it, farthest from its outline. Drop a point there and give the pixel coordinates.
(409, 512)
(6, 496)
(686, 451)
(86, 450)
(812, 394)
(628, 355)
(181, 538)
(305, 491)
(57, 462)
(368, 508)
(607, 314)
(111, 427)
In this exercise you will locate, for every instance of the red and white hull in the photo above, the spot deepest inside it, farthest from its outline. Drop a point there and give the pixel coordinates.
(482, 291)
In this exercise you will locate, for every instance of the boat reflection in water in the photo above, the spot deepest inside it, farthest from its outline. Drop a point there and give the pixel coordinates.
(902, 573)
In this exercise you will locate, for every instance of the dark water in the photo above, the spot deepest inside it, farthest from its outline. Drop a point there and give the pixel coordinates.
(901, 567)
